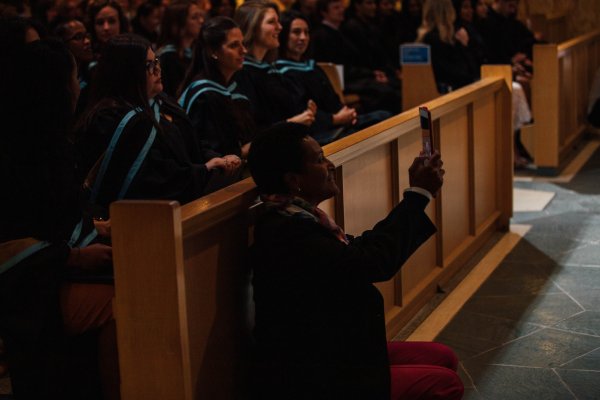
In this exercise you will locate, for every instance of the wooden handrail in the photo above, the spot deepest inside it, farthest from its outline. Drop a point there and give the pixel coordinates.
(569, 45)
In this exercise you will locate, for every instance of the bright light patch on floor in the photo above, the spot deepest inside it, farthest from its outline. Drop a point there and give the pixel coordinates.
(530, 200)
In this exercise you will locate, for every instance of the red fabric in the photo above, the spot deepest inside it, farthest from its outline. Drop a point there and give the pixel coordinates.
(423, 371)
(85, 306)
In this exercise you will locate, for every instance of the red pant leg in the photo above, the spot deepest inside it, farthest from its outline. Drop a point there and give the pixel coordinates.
(423, 353)
(423, 371)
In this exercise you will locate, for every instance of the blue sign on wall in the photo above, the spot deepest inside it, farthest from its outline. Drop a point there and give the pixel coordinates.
(415, 54)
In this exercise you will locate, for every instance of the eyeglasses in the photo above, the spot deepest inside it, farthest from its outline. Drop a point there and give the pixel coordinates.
(80, 37)
(153, 66)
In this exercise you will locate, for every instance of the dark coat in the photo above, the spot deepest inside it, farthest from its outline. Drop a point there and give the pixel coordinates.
(220, 116)
(271, 99)
(311, 83)
(173, 167)
(504, 37)
(320, 324)
(452, 65)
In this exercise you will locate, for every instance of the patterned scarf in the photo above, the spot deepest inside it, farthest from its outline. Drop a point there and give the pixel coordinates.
(291, 206)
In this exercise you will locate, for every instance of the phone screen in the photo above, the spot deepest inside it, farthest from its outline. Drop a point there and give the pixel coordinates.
(426, 131)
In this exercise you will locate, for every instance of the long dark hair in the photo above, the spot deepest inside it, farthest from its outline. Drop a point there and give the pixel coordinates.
(120, 78)
(173, 22)
(212, 37)
(36, 160)
(95, 7)
(36, 91)
(286, 23)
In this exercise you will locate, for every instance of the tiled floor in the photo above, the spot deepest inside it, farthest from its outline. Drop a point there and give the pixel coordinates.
(532, 329)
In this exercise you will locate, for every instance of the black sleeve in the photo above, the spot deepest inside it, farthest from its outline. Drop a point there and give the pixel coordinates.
(165, 172)
(373, 257)
(208, 134)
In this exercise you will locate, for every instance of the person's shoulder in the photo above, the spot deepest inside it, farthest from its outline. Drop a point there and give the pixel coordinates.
(273, 226)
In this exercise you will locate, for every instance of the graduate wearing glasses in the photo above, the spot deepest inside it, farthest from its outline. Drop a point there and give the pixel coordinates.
(135, 142)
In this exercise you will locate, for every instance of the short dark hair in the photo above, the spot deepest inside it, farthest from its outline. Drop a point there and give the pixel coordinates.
(274, 153)
(323, 6)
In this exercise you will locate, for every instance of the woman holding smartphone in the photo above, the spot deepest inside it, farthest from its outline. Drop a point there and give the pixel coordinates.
(319, 320)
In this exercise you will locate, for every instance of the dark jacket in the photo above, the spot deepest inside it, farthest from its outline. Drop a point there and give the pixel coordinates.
(320, 324)
(271, 99)
(169, 163)
(220, 116)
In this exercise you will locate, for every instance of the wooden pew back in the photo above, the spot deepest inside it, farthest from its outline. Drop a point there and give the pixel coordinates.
(183, 299)
(418, 85)
(563, 74)
(553, 27)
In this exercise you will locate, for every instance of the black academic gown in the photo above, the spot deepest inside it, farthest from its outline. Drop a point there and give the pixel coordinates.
(220, 116)
(40, 210)
(320, 324)
(271, 99)
(311, 83)
(173, 67)
(147, 162)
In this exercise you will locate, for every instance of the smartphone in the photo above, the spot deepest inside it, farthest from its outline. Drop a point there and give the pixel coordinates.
(426, 131)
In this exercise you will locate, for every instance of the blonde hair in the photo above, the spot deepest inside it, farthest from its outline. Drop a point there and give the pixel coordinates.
(249, 17)
(438, 14)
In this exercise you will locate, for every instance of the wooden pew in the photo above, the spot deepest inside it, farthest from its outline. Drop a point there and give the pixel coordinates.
(553, 27)
(418, 85)
(183, 299)
(563, 74)
(330, 69)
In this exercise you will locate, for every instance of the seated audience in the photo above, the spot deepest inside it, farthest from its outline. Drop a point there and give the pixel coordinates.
(452, 66)
(331, 45)
(147, 20)
(319, 320)
(73, 33)
(310, 82)
(308, 8)
(220, 115)
(361, 28)
(508, 40)
(271, 100)
(473, 17)
(59, 334)
(465, 15)
(222, 8)
(106, 19)
(135, 143)
(411, 18)
(179, 30)
(390, 22)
